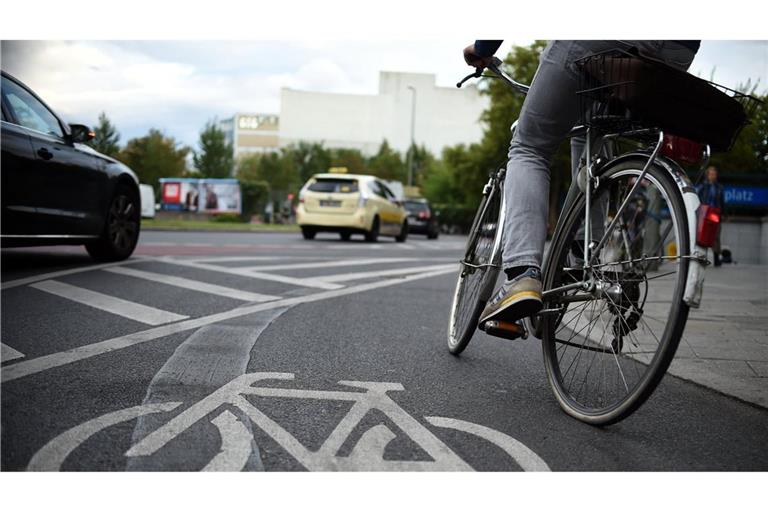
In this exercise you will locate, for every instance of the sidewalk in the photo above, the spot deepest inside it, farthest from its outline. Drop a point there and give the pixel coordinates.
(725, 344)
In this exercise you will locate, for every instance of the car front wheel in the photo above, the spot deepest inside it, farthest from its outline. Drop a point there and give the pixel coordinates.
(121, 227)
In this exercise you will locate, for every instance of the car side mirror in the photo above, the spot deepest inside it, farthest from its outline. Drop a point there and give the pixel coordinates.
(81, 133)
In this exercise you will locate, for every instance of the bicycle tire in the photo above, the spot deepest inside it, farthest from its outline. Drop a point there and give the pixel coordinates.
(474, 286)
(677, 317)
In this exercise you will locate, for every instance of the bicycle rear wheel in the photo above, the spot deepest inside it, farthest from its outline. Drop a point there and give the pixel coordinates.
(606, 350)
(477, 274)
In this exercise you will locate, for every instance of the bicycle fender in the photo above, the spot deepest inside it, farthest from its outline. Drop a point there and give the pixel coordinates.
(694, 284)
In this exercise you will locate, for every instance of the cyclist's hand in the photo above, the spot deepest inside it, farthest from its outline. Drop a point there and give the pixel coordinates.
(474, 60)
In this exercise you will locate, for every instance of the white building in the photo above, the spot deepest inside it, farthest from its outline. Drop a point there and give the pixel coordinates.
(251, 133)
(444, 116)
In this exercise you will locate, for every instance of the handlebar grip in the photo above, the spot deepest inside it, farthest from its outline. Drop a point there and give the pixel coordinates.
(477, 74)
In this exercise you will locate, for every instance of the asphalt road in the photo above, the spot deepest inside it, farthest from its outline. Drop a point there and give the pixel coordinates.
(229, 351)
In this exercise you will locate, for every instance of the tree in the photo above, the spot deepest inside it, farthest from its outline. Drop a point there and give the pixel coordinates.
(423, 160)
(308, 159)
(254, 194)
(387, 164)
(278, 170)
(352, 159)
(107, 139)
(749, 155)
(155, 156)
(215, 159)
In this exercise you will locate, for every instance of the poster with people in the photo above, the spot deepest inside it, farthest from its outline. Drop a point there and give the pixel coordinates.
(220, 196)
(205, 195)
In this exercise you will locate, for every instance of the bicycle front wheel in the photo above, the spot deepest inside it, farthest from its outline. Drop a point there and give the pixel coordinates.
(477, 274)
(607, 348)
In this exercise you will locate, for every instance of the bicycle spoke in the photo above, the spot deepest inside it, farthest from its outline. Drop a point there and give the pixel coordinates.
(638, 274)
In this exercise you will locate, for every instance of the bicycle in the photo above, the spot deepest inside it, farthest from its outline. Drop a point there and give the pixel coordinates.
(619, 276)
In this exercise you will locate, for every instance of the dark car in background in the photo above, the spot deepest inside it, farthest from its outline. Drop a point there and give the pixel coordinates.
(58, 190)
(421, 218)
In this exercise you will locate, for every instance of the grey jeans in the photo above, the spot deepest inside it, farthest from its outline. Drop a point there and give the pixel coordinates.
(549, 111)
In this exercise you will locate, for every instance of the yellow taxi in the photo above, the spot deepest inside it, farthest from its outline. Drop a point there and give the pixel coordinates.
(350, 204)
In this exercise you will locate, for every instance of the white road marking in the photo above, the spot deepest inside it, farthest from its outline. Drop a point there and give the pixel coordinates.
(324, 264)
(405, 246)
(235, 259)
(9, 354)
(51, 275)
(338, 278)
(134, 311)
(209, 358)
(238, 443)
(39, 364)
(51, 456)
(302, 282)
(235, 444)
(190, 284)
(368, 453)
(524, 456)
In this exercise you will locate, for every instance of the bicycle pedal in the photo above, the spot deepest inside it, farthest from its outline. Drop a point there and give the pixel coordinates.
(506, 330)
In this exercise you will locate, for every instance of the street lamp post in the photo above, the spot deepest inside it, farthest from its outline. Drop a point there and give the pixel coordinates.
(413, 141)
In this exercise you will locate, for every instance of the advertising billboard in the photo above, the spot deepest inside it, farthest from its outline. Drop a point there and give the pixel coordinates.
(219, 196)
(205, 195)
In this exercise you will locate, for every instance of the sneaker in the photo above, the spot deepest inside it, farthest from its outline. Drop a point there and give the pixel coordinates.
(516, 299)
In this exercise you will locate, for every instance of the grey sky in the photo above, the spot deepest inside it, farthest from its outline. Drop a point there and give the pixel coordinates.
(178, 86)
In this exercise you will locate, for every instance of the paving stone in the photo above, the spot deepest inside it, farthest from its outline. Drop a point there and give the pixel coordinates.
(759, 367)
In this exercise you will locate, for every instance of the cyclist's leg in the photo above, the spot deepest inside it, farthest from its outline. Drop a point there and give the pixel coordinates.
(550, 110)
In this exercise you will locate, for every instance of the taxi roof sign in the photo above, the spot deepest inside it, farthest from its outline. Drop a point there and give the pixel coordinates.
(338, 170)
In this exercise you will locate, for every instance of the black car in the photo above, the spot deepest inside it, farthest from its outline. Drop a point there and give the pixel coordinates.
(421, 218)
(58, 190)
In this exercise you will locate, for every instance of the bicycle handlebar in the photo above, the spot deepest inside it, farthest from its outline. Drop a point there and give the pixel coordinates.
(494, 68)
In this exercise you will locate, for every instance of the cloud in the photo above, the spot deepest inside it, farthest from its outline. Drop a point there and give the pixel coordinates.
(177, 86)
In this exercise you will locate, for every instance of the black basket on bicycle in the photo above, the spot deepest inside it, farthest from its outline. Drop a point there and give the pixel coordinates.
(624, 91)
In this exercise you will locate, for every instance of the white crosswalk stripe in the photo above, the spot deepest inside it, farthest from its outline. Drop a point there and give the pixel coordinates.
(325, 264)
(190, 284)
(301, 282)
(354, 276)
(138, 312)
(9, 354)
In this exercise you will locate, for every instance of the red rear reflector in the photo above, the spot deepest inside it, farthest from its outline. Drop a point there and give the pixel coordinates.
(681, 149)
(708, 224)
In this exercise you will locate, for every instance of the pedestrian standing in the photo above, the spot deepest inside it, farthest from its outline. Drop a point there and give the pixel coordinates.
(711, 194)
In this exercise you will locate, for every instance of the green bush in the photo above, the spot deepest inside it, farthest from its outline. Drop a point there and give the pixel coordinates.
(254, 195)
(227, 217)
(455, 216)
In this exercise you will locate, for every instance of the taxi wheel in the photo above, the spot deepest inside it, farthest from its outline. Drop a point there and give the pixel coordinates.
(403, 233)
(373, 234)
(308, 233)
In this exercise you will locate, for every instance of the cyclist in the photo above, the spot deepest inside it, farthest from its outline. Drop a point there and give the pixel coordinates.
(550, 110)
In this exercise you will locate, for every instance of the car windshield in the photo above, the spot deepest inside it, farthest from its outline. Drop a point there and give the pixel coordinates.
(416, 206)
(334, 185)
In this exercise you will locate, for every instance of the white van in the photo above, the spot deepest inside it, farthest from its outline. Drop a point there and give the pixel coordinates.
(147, 201)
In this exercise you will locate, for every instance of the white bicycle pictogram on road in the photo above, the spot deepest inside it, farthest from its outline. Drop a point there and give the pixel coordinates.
(236, 438)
